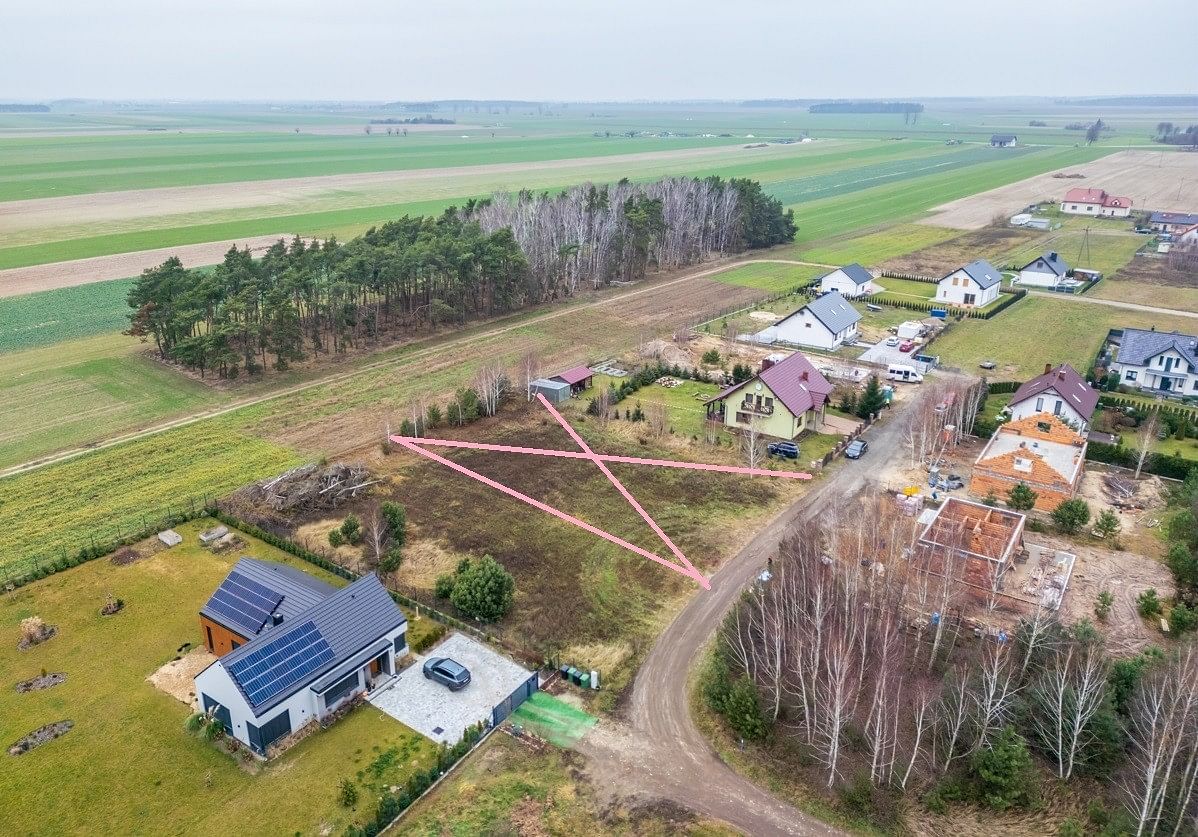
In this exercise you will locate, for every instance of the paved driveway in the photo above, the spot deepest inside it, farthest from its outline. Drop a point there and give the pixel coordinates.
(886, 355)
(431, 709)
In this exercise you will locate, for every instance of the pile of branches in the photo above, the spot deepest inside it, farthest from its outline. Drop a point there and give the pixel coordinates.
(304, 489)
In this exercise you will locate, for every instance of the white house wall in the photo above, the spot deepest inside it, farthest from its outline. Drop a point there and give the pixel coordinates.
(1039, 280)
(838, 281)
(1046, 402)
(949, 294)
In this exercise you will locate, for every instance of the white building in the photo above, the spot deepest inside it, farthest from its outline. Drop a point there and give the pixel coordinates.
(972, 286)
(1004, 140)
(1060, 391)
(851, 281)
(1095, 202)
(827, 322)
(300, 668)
(1046, 271)
(1163, 363)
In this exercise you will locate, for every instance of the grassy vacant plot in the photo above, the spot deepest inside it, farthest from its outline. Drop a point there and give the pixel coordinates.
(685, 403)
(49, 317)
(773, 278)
(102, 495)
(81, 389)
(509, 787)
(876, 247)
(128, 759)
(1041, 330)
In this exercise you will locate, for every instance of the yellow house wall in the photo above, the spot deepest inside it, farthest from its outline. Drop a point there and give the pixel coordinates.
(783, 424)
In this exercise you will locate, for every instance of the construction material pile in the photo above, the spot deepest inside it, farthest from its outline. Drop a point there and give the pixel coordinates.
(1121, 491)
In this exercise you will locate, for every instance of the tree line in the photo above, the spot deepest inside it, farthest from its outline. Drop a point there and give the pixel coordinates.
(491, 256)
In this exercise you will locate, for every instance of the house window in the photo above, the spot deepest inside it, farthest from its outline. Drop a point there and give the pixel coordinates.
(769, 403)
(1195, 385)
(234, 645)
(807, 325)
(208, 633)
(1131, 375)
(1043, 427)
(1039, 405)
(742, 418)
(1056, 410)
(970, 299)
(954, 281)
(340, 689)
(1022, 464)
(401, 642)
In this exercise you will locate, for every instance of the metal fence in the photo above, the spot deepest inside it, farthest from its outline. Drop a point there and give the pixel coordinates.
(508, 705)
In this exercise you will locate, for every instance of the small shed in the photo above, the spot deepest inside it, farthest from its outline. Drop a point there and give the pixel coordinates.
(170, 537)
(578, 378)
(554, 390)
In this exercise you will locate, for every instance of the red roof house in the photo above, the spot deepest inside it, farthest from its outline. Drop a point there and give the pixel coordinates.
(1079, 201)
(794, 384)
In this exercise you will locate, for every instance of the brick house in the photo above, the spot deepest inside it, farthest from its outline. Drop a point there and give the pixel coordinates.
(1041, 450)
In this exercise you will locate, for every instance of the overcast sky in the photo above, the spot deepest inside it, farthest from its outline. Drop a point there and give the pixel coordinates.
(592, 49)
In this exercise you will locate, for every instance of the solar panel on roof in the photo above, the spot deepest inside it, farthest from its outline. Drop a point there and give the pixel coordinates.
(280, 664)
(245, 602)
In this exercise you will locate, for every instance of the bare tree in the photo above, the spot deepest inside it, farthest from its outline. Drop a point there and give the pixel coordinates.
(752, 443)
(923, 720)
(953, 714)
(658, 419)
(1146, 439)
(602, 406)
(530, 366)
(491, 383)
(1064, 697)
(994, 693)
(376, 537)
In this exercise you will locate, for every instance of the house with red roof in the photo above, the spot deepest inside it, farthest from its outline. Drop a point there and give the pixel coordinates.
(1095, 202)
(1061, 391)
(782, 400)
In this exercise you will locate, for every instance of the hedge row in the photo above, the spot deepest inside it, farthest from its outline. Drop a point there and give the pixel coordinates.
(49, 566)
(997, 387)
(1173, 467)
(1006, 301)
(1174, 409)
(910, 277)
(392, 805)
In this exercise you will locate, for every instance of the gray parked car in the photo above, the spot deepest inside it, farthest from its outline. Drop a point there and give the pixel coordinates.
(449, 672)
(856, 449)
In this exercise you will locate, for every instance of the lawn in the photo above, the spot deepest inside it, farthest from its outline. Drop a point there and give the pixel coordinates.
(1187, 448)
(83, 389)
(508, 787)
(1040, 330)
(128, 764)
(685, 402)
(101, 496)
(922, 291)
(771, 277)
(48, 317)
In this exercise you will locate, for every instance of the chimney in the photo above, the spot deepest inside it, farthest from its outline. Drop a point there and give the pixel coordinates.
(1047, 368)
(1052, 256)
(803, 377)
(1061, 374)
(276, 619)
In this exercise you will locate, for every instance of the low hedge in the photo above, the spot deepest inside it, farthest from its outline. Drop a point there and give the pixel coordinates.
(1007, 299)
(996, 387)
(1172, 467)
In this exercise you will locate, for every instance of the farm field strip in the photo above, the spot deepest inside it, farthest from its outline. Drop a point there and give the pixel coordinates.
(53, 316)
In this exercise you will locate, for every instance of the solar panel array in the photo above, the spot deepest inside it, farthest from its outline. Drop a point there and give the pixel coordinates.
(280, 664)
(245, 602)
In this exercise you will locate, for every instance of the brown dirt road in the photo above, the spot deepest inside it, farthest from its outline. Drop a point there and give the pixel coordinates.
(43, 277)
(1163, 181)
(660, 753)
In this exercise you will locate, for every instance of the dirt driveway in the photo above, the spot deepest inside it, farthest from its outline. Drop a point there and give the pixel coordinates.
(660, 753)
(1163, 181)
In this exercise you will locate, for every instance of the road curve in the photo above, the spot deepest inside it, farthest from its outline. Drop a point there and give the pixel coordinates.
(662, 753)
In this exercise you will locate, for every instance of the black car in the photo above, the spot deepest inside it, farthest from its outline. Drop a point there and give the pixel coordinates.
(449, 672)
(856, 449)
(787, 449)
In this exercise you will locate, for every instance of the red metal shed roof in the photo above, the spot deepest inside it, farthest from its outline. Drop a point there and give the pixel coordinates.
(574, 376)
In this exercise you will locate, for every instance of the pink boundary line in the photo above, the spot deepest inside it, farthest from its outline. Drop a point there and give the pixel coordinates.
(578, 440)
(631, 460)
(561, 515)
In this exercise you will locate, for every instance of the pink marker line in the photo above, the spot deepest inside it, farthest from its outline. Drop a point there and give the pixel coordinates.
(631, 460)
(561, 515)
(578, 440)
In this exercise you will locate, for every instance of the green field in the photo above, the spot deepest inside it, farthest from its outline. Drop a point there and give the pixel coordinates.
(1039, 330)
(128, 764)
(873, 248)
(772, 278)
(104, 495)
(48, 317)
(84, 389)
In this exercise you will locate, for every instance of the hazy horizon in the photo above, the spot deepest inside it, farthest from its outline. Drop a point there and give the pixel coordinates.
(591, 52)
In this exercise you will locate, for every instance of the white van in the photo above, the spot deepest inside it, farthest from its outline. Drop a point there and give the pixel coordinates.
(904, 372)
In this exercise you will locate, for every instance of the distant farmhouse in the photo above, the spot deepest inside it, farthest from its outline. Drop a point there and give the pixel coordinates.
(1171, 222)
(1095, 202)
(1046, 271)
(310, 648)
(1003, 140)
(1164, 363)
(850, 281)
(1060, 391)
(783, 400)
(972, 286)
(826, 322)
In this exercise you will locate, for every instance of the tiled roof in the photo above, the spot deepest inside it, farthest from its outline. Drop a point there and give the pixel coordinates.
(1099, 196)
(1065, 382)
(795, 381)
(1137, 346)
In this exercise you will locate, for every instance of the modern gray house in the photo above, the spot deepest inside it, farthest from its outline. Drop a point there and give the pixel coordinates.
(1160, 362)
(303, 664)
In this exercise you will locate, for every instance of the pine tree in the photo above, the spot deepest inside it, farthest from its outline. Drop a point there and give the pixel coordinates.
(1022, 498)
(872, 400)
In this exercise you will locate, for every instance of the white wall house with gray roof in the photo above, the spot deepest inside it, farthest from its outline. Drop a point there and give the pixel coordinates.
(306, 667)
(973, 286)
(850, 281)
(1160, 362)
(827, 322)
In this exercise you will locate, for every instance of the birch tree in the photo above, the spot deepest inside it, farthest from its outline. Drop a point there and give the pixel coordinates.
(1146, 438)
